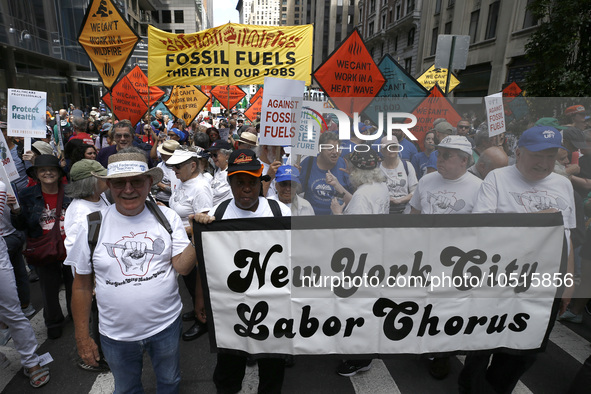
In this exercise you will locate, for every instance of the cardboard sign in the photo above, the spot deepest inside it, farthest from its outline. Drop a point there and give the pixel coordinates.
(258, 94)
(254, 110)
(7, 162)
(495, 114)
(186, 102)
(230, 54)
(348, 73)
(280, 111)
(400, 93)
(438, 76)
(126, 101)
(107, 39)
(228, 96)
(309, 290)
(140, 82)
(433, 107)
(26, 113)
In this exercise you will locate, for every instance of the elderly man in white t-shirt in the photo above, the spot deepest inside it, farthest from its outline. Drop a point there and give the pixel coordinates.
(133, 271)
(451, 189)
(526, 187)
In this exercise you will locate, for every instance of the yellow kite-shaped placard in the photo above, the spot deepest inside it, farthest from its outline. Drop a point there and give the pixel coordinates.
(107, 39)
(230, 54)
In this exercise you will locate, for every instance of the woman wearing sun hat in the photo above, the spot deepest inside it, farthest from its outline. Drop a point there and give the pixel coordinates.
(37, 216)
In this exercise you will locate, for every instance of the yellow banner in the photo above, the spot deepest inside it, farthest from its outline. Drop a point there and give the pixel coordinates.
(230, 54)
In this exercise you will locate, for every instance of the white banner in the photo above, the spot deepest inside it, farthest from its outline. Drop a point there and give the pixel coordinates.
(365, 285)
(26, 113)
(281, 109)
(7, 162)
(495, 114)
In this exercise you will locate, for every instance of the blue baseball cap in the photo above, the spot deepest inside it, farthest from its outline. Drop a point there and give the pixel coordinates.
(287, 173)
(178, 132)
(539, 138)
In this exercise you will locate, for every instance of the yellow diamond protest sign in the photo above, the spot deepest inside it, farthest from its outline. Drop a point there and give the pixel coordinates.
(186, 102)
(437, 76)
(107, 39)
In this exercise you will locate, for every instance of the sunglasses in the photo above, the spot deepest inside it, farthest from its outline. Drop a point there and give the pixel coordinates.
(136, 183)
(117, 135)
(177, 166)
(463, 127)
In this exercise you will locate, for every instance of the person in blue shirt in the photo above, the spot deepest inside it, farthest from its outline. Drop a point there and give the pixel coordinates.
(319, 174)
(420, 160)
(409, 149)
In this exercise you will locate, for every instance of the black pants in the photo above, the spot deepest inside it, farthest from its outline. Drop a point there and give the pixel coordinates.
(51, 277)
(501, 376)
(230, 368)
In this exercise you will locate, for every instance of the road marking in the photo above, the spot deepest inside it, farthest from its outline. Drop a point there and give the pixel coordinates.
(571, 342)
(376, 381)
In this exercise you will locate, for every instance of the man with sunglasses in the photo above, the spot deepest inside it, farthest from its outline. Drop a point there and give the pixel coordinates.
(133, 272)
(123, 136)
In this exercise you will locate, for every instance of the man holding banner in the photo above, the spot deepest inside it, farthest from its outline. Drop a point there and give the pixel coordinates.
(528, 186)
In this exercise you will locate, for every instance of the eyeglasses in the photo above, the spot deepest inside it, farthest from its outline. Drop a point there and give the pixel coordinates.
(117, 135)
(446, 155)
(463, 127)
(136, 183)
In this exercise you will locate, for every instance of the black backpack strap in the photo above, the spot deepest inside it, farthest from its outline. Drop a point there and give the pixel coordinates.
(275, 208)
(221, 209)
(156, 211)
(94, 228)
(308, 172)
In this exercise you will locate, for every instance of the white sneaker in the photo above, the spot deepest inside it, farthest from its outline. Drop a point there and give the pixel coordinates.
(29, 311)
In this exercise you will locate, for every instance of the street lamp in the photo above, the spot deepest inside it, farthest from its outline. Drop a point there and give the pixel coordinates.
(24, 35)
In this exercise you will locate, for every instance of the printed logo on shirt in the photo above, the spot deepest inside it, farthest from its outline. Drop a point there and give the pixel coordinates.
(537, 200)
(445, 202)
(134, 253)
(323, 191)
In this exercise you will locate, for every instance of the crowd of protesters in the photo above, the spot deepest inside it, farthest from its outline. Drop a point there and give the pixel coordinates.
(214, 168)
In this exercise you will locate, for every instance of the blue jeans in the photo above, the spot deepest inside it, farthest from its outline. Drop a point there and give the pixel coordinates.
(126, 358)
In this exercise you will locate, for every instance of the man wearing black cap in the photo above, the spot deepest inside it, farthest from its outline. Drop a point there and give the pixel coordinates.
(244, 173)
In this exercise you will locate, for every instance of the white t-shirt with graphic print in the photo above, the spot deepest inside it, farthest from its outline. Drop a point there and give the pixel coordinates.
(191, 197)
(137, 293)
(506, 190)
(437, 195)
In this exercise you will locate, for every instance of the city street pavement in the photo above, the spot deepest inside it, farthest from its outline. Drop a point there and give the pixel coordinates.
(552, 373)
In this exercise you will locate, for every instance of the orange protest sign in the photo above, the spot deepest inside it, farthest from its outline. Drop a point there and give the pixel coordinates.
(512, 91)
(350, 72)
(258, 94)
(140, 82)
(186, 102)
(255, 109)
(107, 39)
(434, 106)
(207, 90)
(228, 95)
(127, 102)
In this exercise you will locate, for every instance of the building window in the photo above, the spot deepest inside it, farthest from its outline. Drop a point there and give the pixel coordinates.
(284, 16)
(296, 15)
(411, 37)
(384, 21)
(390, 16)
(451, 3)
(155, 17)
(395, 43)
(410, 6)
(370, 30)
(434, 36)
(166, 16)
(408, 64)
(493, 16)
(349, 19)
(398, 12)
(283, 8)
(179, 17)
(529, 20)
(180, 31)
(437, 6)
(372, 5)
(474, 25)
(447, 28)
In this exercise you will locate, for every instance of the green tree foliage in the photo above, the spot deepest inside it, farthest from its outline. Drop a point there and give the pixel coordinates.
(561, 49)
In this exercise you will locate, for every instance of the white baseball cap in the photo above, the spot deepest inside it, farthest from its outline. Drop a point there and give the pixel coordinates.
(456, 142)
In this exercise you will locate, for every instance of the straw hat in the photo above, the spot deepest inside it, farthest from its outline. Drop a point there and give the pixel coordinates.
(127, 164)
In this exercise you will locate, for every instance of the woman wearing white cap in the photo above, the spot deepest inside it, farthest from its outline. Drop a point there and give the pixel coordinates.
(192, 196)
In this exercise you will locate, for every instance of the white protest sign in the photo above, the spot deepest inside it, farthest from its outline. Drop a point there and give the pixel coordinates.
(495, 114)
(9, 189)
(301, 286)
(280, 112)
(7, 161)
(26, 113)
(305, 142)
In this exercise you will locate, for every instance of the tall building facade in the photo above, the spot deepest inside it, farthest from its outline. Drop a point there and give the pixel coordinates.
(392, 27)
(498, 30)
(181, 16)
(264, 13)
